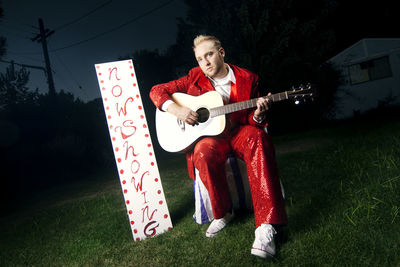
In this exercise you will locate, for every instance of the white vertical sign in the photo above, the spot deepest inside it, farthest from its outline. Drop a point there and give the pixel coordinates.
(133, 149)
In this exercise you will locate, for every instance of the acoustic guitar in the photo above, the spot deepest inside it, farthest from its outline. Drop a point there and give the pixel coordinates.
(175, 135)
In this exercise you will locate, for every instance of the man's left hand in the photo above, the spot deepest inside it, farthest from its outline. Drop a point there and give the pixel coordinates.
(262, 106)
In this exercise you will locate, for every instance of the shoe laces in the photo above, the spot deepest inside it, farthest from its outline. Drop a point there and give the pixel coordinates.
(221, 222)
(267, 233)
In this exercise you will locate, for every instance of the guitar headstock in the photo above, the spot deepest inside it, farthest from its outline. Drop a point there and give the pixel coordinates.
(302, 93)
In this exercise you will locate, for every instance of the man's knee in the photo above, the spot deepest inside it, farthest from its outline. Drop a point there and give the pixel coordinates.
(256, 135)
(257, 139)
(210, 150)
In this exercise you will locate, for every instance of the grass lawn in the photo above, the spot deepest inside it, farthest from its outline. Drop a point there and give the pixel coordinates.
(342, 187)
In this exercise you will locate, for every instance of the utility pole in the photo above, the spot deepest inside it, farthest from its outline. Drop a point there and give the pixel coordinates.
(41, 38)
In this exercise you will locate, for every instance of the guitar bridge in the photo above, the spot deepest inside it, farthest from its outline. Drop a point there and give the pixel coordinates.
(181, 124)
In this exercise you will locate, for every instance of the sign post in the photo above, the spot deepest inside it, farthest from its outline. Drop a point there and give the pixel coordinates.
(133, 149)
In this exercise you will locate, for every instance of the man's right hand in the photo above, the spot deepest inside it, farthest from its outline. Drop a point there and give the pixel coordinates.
(185, 114)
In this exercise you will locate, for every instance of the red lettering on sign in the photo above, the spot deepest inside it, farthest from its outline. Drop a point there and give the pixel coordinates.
(152, 229)
(128, 131)
(139, 185)
(116, 93)
(148, 217)
(128, 147)
(144, 196)
(116, 74)
(123, 110)
(137, 163)
(130, 134)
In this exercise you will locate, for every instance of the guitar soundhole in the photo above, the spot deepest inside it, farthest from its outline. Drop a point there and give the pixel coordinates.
(204, 114)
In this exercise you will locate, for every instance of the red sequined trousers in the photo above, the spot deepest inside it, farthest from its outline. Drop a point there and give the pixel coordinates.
(254, 146)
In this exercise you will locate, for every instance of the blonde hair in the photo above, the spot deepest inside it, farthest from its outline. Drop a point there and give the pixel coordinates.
(201, 38)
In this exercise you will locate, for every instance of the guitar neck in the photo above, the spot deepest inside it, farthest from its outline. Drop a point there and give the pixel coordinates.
(230, 108)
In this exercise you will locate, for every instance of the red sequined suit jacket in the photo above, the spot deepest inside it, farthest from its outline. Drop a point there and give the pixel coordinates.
(196, 83)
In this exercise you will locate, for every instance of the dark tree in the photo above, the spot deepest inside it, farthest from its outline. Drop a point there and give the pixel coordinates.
(2, 39)
(13, 89)
(285, 42)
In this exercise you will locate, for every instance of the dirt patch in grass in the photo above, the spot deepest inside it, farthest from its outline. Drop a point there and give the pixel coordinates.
(293, 146)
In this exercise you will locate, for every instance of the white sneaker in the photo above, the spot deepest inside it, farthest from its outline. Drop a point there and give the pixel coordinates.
(218, 224)
(264, 244)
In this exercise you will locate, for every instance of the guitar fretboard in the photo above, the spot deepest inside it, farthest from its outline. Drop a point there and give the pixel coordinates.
(230, 108)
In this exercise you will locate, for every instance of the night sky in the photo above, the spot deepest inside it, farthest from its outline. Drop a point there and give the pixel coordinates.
(86, 33)
(98, 31)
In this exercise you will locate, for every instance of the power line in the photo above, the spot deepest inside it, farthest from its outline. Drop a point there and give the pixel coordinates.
(72, 79)
(68, 70)
(115, 28)
(17, 30)
(83, 16)
(23, 53)
(98, 35)
(11, 27)
(24, 65)
(24, 57)
(6, 20)
(11, 31)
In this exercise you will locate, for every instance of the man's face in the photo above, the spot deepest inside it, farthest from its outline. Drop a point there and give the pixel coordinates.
(210, 60)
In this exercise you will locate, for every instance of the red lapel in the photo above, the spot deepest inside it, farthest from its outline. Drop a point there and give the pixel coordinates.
(204, 84)
(241, 90)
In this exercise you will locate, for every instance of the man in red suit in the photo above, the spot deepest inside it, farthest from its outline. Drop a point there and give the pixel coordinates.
(244, 136)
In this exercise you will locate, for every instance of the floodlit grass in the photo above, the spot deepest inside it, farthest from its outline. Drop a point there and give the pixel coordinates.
(342, 195)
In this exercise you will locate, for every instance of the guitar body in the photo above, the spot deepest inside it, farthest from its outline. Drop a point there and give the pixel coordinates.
(177, 136)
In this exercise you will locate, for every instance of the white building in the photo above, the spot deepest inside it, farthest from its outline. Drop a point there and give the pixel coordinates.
(371, 75)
